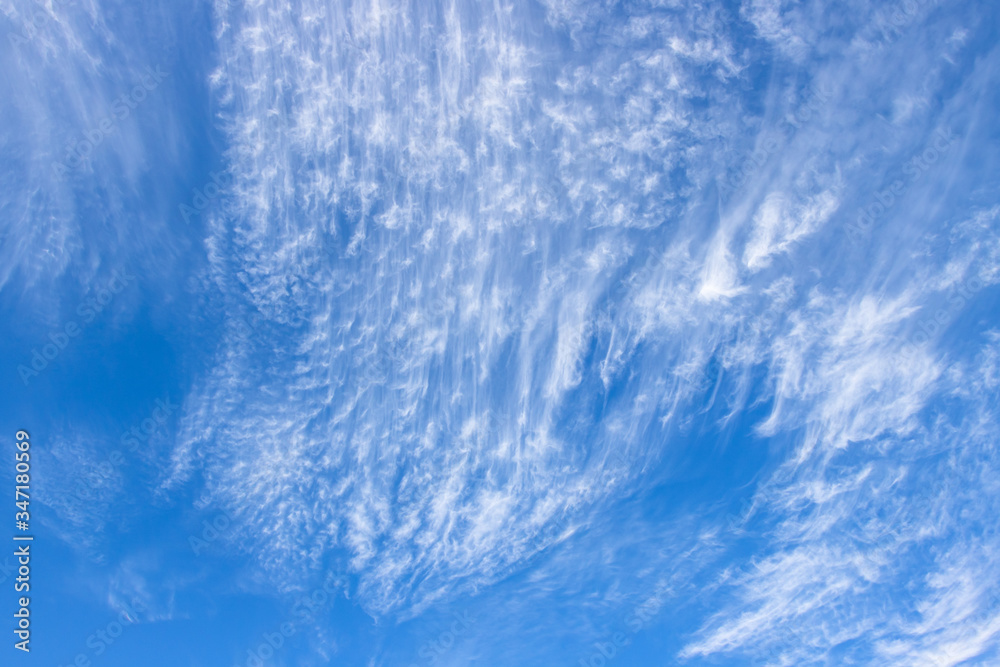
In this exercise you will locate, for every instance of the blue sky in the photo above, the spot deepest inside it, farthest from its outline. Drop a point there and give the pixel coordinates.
(549, 333)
